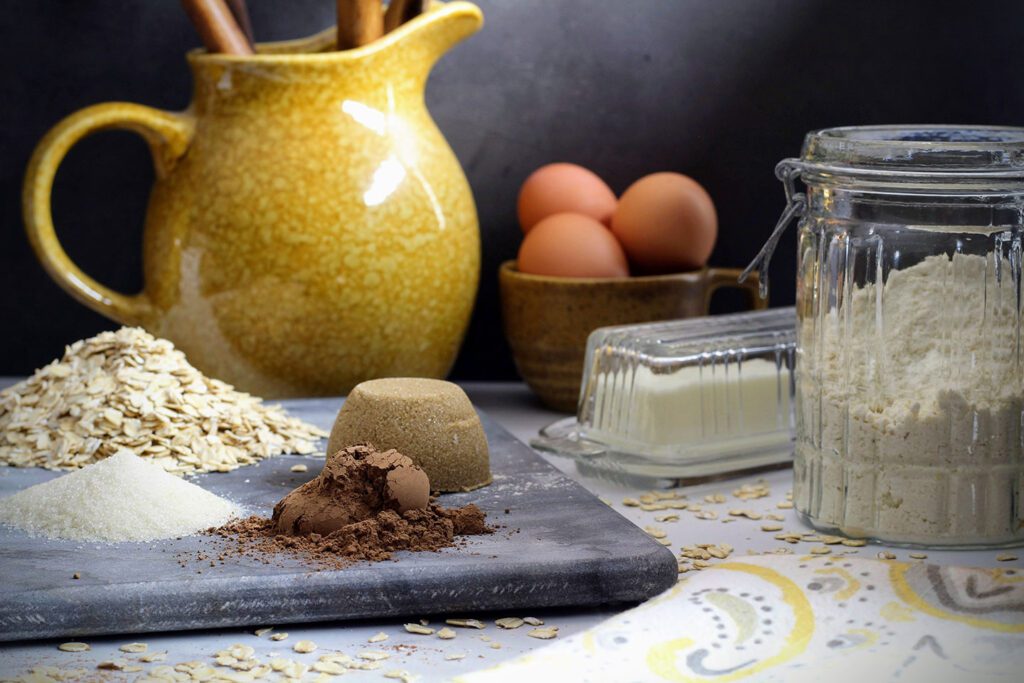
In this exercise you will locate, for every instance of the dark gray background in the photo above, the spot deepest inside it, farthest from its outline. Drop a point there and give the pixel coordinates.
(718, 89)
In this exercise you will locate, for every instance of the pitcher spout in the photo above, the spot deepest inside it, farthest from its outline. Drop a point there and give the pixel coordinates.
(429, 36)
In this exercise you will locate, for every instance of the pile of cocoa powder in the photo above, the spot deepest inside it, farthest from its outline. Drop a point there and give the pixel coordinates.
(373, 539)
(364, 505)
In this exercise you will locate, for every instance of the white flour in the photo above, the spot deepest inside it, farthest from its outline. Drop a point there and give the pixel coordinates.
(911, 403)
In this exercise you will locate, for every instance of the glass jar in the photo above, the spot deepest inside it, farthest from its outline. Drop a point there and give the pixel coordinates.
(909, 379)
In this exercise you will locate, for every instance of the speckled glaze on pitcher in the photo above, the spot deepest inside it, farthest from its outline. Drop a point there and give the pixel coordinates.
(309, 228)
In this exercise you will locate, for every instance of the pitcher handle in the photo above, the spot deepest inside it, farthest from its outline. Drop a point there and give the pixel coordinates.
(168, 136)
(716, 278)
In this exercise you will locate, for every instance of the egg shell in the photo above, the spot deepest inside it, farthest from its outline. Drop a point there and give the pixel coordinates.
(564, 188)
(572, 245)
(667, 223)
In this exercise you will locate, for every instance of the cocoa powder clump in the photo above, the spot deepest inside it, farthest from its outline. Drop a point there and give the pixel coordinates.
(364, 505)
(373, 539)
(355, 484)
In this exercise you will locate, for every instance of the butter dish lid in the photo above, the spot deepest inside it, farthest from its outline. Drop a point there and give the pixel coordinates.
(684, 399)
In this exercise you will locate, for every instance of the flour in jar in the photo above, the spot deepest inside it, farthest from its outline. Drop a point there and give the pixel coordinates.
(911, 400)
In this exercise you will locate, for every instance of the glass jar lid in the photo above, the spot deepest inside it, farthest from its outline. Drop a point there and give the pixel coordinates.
(916, 151)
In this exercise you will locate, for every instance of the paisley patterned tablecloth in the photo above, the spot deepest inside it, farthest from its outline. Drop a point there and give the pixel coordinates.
(795, 619)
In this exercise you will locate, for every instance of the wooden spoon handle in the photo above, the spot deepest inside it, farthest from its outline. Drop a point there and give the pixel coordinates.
(401, 11)
(359, 22)
(241, 14)
(216, 27)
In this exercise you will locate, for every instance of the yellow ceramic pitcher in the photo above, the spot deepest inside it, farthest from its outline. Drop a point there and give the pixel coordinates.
(309, 227)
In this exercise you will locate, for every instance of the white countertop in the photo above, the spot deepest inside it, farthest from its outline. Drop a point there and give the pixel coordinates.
(517, 410)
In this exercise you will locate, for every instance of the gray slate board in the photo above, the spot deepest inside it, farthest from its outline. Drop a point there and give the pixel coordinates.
(571, 549)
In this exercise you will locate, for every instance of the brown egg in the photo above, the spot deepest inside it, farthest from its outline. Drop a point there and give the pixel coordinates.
(667, 223)
(564, 188)
(571, 245)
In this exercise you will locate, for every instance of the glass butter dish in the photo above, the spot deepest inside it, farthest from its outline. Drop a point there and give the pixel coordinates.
(684, 399)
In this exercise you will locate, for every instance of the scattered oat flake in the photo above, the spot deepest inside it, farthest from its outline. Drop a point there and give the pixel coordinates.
(377, 637)
(329, 667)
(260, 632)
(465, 623)
(113, 665)
(831, 540)
(1005, 557)
(279, 636)
(454, 656)
(667, 518)
(509, 622)
(784, 505)
(291, 668)
(854, 542)
(886, 555)
(631, 502)
(134, 647)
(546, 633)
(74, 647)
(533, 621)
(752, 491)
(151, 657)
(714, 498)
(304, 646)
(917, 556)
(373, 655)
(707, 514)
(242, 652)
(445, 633)
(774, 517)
(419, 629)
(655, 532)
(820, 550)
(401, 675)
(771, 527)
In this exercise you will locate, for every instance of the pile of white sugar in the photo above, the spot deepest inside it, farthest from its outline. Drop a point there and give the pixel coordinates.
(121, 498)
(912, 398)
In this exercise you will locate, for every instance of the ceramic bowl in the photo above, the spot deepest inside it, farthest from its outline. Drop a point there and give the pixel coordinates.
(547, 319)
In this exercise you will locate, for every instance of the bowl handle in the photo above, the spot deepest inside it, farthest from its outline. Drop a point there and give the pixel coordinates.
(716, 278)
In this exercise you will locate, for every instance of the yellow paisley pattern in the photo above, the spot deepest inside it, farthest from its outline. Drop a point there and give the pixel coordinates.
(782, 619)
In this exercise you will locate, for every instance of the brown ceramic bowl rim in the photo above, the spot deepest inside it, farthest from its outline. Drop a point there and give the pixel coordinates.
(509, 267)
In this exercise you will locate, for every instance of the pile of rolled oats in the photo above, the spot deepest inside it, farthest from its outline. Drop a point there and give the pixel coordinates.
(128, 389)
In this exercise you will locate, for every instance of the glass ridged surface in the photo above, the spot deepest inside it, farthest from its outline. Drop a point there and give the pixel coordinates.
(684, 399)
(910, 384)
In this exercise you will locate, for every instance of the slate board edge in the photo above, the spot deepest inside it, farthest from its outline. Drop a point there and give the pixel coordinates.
(297, 605)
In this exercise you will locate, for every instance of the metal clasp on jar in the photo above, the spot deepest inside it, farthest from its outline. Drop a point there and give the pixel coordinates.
(787, 171)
